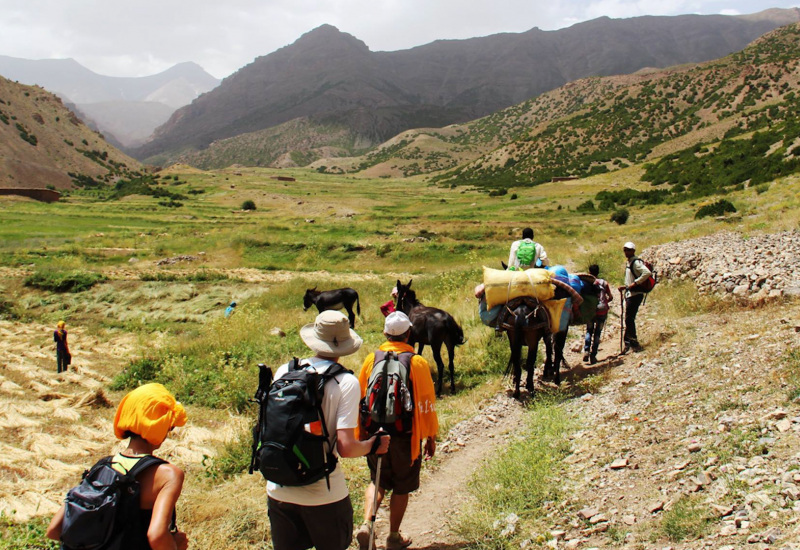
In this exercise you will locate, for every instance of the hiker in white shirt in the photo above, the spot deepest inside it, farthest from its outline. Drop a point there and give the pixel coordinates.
(525, 253)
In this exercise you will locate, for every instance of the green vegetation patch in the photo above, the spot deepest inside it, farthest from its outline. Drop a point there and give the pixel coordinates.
(29, 535)
(518, 481)
(687, 519)
(63, 281)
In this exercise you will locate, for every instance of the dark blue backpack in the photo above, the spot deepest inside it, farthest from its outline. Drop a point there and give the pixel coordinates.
(102, 512)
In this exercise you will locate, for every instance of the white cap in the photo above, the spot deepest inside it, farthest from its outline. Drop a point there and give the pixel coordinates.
(397, 323)
(629, 245)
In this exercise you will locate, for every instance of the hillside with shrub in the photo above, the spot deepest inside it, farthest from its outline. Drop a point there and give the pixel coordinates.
(44, 145)
(599, 125)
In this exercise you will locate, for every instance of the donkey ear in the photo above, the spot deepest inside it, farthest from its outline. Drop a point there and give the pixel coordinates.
(315, 287)
(399, 284)
(409, 283)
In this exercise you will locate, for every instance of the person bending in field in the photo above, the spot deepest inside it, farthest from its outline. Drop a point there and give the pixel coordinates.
(145, 416)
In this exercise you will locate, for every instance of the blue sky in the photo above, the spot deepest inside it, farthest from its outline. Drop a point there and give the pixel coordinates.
(147, 36)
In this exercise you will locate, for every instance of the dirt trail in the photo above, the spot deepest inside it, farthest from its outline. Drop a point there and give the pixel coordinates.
(443, 489)
(467, 445)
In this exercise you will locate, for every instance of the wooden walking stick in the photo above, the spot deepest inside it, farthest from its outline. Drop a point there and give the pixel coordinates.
(374, 511)
(621, 321)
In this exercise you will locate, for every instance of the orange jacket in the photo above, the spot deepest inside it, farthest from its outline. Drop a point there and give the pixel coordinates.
(425, 423)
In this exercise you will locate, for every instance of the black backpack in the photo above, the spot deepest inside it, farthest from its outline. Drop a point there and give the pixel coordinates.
(291, 446)
(102, 512)
(388, 403)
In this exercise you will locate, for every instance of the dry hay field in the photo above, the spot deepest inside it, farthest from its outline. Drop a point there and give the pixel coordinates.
(151, 283)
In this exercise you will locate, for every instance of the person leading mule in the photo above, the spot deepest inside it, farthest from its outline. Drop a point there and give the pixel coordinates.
(401, 466)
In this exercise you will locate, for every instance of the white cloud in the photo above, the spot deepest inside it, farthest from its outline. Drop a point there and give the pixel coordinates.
(147, 36)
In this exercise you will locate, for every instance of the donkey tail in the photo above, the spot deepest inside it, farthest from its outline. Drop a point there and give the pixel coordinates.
(458, 332)
(358, 304)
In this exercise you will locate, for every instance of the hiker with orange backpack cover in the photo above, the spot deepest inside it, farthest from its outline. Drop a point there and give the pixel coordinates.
(401, 466)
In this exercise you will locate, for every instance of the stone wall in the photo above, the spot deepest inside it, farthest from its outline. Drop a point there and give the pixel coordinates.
(755, 268)
(44, 195)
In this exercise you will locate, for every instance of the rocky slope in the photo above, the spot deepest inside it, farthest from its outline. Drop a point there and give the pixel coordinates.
(757, 268)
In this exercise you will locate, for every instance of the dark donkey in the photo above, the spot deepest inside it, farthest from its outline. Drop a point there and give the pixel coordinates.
(526, 322)
(432, 327)
(333, 299)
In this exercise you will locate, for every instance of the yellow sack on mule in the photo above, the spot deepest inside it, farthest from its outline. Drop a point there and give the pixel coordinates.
(555, 308)
(502, 286)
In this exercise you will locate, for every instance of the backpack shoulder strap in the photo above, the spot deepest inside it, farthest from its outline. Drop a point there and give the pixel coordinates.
(144, 463)
(294, 364)
(380, 355)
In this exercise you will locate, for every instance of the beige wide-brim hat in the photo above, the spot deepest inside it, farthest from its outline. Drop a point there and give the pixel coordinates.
(330, 335)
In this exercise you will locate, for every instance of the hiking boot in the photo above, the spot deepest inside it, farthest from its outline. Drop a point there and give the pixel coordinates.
(593, 360)
(637, 349)
(362, 536)
(625, 350)
(586, 357)
(396, 541)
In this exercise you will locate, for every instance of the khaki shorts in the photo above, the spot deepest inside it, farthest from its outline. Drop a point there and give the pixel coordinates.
(398, 474)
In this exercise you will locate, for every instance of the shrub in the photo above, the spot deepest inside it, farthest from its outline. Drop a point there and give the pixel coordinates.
(620, 216)
(63, 281)
(718, 208)
(688, 518)
(233, 459)
(587, 206)
(136, 373)
(248, 205)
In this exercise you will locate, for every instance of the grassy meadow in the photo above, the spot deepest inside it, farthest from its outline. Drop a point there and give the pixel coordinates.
(325, 231)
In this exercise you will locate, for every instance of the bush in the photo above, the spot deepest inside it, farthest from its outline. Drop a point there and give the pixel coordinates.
(233, 459)
(248, 205)
(620, 216)
(718, 208)
(136, 373)
(60, 281)
(687, 519)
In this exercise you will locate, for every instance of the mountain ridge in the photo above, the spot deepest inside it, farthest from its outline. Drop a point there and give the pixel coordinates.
(462, 79)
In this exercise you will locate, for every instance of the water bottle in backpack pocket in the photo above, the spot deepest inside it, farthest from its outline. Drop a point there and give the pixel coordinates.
(291, 441)
(388, 403)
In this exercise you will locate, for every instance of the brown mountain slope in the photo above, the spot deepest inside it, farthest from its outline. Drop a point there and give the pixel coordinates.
(332, 74)
(601, 124)
(42, 142)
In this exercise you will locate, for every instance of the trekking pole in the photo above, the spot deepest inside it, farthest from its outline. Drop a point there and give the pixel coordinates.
(374, 511)
(621, 321)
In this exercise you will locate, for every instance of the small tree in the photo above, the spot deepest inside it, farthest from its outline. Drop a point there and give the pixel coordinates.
(620, 216)
(248, 205)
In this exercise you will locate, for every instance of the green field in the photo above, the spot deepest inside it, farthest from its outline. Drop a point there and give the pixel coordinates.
(323, 231)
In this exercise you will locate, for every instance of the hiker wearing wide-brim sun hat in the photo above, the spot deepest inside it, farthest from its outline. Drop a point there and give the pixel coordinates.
(319, 514)
(330, 335)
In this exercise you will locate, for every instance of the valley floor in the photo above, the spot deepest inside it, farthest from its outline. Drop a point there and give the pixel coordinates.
(694, 443)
